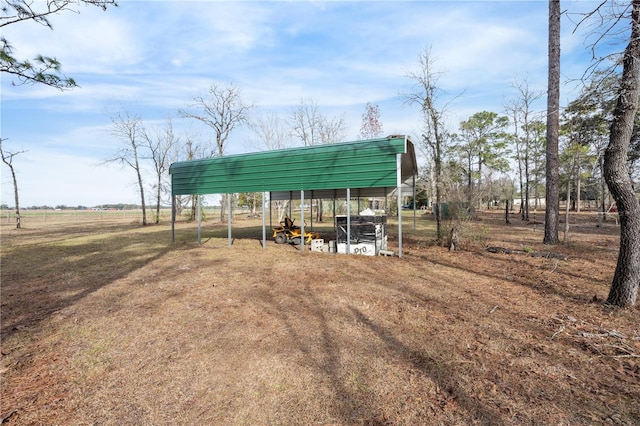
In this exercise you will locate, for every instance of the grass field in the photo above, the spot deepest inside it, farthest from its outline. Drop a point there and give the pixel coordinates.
(106, 322)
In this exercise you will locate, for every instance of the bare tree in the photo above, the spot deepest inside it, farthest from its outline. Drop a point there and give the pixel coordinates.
(371, 126)
(313, 128)
(552, 216)
(7, 158)
(130, 131)
(160, 147)
(305, 122)
(42, 69)
(271, 130)
(626, 279)
(520, 110)
(223, 110)
(332, 130)
(435, 136)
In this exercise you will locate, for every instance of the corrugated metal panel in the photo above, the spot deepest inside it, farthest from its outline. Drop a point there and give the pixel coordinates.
(363, 164)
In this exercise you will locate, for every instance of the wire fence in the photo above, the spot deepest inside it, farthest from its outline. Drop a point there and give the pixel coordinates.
(127, 215)
(9, 216)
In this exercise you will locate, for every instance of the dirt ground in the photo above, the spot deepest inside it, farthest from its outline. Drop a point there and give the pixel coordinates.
(108, 323)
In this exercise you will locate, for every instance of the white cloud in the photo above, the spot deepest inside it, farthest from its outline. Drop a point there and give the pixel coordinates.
(90, 41)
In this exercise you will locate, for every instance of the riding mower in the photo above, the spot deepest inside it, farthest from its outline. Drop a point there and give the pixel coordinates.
(287, 232)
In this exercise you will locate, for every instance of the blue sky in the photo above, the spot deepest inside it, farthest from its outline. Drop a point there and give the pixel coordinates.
(151, 58)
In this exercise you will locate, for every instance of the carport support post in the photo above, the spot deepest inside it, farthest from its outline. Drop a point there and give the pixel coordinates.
(229, 218)
(199, 215)
(399, 186)
(348, 220)
(173, 219)
(270, 211)
(264, 223)
(302, 220)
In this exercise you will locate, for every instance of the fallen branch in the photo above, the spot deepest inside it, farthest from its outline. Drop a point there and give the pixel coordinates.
(505, 250)
(620, 348)
(6, 418)
(612, 333)
(560, 330)
(545, 254)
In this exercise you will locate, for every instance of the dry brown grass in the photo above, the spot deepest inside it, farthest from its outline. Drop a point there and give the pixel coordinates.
(108, 323)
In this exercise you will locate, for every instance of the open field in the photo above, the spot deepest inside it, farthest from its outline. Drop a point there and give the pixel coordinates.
(106, 322)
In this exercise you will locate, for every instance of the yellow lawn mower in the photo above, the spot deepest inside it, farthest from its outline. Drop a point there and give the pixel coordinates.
(287, 232)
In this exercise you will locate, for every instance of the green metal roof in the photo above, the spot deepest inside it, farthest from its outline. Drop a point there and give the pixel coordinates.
(368, 167)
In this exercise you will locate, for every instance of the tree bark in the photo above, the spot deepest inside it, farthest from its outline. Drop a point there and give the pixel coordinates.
(141, 188)
(7, 158)
(506, 212)
(553, 118)
(16, 198)
(624, 288)
(566, 213)
(527, 185)
(158, 199)
(601, 217)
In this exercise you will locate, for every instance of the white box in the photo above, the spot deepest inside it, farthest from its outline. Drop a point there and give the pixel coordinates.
(316, 245)
(366, 249)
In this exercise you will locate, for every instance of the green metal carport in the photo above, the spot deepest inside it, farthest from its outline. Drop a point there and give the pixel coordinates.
(368, 168)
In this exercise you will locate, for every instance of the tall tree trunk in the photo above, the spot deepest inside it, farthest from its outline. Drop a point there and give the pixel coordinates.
(438, 210)
(15, 195)
(601, 216)
(527, 182)
(521, 183)
(553, 118)
(624, 288)
(319, 211)
(506, 212)
(141, 187)
(158, 199)
(578, 188)
(566, 213)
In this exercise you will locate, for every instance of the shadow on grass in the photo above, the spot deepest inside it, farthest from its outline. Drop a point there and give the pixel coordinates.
(435, 369)
(42, 278)
(513, 275)
(318, 347)
(308, 322)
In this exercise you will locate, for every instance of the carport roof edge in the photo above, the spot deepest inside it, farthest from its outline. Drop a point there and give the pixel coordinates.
(369, 167)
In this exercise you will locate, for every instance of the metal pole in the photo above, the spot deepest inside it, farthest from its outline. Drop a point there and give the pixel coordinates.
(311, 210)
(302, 220)
(173, 219)
(399, 201)
(264, 223)
(270, 212)
(348, 220)
(199, 216)
(229, 218)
